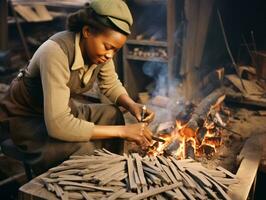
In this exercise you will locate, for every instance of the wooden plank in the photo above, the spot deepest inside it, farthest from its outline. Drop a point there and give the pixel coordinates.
(240, 98)
(43, 13)
(251, 154)
(252, 88)
(27, 13)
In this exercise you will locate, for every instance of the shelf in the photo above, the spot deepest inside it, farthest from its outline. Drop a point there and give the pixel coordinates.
(149, 2)
(138, 58)
(63, 4)
(151, 42)
(147, 43)
(11, 20)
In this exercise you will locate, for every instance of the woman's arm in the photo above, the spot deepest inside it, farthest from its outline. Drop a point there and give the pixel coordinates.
(134, 108)
(55, 74)
(112, 88)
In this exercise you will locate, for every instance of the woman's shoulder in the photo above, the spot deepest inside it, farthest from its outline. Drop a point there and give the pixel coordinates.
(63, 36)
(66, 41)
(48, 51)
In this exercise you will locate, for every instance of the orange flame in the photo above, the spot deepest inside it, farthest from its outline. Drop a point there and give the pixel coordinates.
(184, 140)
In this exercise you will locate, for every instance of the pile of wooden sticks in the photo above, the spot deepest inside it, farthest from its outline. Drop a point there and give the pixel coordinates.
(106, 175)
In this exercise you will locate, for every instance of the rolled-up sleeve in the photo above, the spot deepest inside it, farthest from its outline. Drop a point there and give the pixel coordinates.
(109, 83)
(55, 74)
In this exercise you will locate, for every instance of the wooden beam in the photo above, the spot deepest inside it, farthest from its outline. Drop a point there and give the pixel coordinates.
(3, 26)
(171, 28)
(247, 171)
(249, 100)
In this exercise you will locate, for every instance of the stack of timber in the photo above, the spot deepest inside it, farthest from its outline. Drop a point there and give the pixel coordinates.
(106, 175)
(249, 91)
(35, 13)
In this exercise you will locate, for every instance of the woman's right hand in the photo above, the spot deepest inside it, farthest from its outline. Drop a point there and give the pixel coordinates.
(139, 133)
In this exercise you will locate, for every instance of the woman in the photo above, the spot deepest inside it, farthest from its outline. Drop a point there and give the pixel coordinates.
(42, 112)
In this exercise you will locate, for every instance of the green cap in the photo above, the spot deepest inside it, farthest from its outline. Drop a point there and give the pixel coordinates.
(116, 11)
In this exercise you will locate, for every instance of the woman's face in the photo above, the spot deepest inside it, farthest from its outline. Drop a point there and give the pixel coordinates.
(100, 48)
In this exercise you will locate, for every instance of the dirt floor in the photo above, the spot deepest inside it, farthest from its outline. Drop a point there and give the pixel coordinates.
(243, 123)
(10, 169)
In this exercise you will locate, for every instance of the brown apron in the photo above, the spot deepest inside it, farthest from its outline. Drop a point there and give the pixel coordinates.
(21, 119)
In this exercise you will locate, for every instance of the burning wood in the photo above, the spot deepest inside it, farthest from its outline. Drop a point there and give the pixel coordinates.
(111, 176)
(200, 134)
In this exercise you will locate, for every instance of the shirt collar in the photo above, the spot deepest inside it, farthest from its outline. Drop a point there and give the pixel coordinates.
(78, 60)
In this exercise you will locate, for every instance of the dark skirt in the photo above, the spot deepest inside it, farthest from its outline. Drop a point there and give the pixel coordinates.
(28, 131)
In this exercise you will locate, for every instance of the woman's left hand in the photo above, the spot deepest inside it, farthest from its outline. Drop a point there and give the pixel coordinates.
(136, 110)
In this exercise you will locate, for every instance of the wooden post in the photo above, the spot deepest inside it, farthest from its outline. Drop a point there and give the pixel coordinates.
(3, 33)
(171, 28)
(197, 17)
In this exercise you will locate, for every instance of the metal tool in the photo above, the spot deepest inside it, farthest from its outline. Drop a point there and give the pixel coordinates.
(157, 139)
(143, 112)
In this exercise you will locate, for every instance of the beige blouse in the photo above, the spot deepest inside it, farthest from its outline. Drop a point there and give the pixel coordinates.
(51, 63)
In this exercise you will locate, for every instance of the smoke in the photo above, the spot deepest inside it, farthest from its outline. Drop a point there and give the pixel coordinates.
(151, 23)
(162, 85)
(164, 89)
(158, 71)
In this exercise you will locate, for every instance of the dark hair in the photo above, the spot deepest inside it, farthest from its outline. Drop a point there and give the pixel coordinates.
(87, 16)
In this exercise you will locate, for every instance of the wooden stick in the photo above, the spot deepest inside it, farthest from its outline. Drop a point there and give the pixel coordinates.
(169, 173)
(219, 189)
(116, 194)
(85, 185)
(187, 193)
(229, 51)
(130, 168)
(77, 188)
(75, 195)
(58, 190)
(85, 195)
(147, 163)
(140, 169)
(226, 172)
(199, 177)
(174, 170)
(188, 181)
(118, 177)
(71, 171)
(155, 191)
(153, 178)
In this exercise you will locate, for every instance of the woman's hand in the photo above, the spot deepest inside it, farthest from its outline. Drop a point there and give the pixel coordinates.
(139, 133)
(137, 110)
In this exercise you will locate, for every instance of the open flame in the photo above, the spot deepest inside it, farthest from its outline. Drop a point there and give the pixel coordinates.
(183, 142)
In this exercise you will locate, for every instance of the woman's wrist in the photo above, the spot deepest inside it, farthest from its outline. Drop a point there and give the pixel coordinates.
(121, 132)
(125, 101)
(131, 107)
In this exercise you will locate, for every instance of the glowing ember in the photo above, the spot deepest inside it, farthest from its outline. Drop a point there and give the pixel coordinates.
(183, 142)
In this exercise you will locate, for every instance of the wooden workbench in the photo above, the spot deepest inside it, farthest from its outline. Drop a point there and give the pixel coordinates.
(35, 190)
